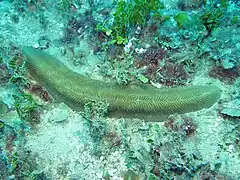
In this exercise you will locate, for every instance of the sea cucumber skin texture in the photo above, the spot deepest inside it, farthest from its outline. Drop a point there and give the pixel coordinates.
(142, 101)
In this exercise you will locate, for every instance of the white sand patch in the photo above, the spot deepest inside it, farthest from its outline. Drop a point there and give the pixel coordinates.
(64, 150)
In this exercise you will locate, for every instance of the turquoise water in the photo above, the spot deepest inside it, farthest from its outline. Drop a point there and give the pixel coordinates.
(79, 89)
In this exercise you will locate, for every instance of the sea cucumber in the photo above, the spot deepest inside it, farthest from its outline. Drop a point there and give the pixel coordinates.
(144, 101)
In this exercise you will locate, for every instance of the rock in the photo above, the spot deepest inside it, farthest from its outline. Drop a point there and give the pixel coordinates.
(58, 114)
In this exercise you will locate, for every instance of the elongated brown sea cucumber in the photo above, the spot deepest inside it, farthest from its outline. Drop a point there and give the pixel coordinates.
(140, 102)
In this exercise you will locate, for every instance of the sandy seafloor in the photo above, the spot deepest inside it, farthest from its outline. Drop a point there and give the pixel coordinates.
(65, 147)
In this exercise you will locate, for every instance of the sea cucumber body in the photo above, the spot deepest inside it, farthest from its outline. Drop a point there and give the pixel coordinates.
(137, 102)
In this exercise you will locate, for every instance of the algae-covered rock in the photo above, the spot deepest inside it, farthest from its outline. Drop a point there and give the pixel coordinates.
(232, 108)
(130, 175)
(3, 108)
(58, 114)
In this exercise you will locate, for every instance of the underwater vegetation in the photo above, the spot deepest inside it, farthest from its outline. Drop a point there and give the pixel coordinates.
(16, 162)
(130, 14)
(17, 112)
